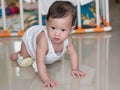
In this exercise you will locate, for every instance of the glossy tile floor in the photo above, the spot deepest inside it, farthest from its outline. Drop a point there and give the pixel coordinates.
(99, 57)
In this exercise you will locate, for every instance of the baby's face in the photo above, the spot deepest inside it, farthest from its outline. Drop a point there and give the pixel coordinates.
(59, 28)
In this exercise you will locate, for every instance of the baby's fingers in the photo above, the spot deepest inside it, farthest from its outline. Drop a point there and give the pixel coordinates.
(78, 73)
(50, 84)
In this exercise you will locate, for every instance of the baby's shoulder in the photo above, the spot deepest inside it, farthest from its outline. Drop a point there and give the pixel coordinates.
(41, 37)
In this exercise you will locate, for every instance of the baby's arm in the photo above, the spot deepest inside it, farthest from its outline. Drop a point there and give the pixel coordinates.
(74, 60)
(41, 51)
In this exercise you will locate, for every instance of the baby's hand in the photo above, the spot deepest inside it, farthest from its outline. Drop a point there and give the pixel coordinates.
(78, 73)
(50, 84)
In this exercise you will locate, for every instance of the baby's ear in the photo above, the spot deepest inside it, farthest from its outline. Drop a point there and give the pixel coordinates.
(73, 27)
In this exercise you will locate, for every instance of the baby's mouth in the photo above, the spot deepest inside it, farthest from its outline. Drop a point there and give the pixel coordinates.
(56, 39)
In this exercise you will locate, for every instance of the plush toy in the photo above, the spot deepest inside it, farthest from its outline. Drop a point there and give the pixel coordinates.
(11, 8)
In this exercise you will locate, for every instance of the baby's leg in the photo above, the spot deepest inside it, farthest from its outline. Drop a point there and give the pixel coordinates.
(23, 52)
(22, 57)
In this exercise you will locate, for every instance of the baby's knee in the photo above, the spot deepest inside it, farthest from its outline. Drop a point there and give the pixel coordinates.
(14, 56)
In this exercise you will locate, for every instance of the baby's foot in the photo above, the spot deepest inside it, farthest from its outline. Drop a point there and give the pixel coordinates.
(14, 56)
(24, 62)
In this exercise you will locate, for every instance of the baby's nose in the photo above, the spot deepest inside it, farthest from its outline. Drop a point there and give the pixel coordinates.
(57, 32)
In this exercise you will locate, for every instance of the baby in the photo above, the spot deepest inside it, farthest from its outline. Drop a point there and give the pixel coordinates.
(46, 44)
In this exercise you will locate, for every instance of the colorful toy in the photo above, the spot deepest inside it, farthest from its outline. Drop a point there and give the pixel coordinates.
(12, 8)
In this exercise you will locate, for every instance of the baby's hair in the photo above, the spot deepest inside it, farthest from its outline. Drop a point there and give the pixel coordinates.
(61, 9)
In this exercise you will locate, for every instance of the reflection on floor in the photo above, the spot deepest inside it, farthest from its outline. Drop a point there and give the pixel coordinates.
(99, 55)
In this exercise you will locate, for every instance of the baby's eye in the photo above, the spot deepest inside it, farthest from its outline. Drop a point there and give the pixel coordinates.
(53, 27)
(63, 30)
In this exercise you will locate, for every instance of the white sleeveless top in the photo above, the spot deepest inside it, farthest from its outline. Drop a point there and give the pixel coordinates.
(29, 38)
